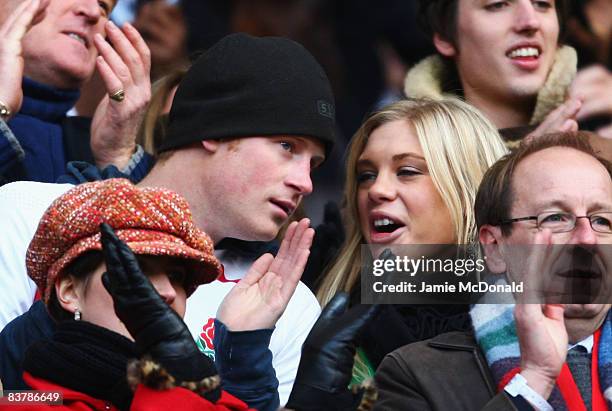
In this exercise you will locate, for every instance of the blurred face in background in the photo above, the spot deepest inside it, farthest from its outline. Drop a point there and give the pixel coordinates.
(504, 49)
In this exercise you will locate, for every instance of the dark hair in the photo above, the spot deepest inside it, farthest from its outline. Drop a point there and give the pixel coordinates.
(80, 268)
(495, 196)
(440, 16)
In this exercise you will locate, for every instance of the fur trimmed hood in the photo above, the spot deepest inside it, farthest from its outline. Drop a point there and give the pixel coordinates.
(426, 78)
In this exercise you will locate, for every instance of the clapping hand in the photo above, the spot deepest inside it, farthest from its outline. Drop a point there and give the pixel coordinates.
(260, 298)
(543, 342)
(561, 119)
(12, 32)
(124, 66)
(594, 85)
(540, 328)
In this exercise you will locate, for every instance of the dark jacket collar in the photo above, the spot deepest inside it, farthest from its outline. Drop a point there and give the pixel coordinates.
(465, 341)
(45, 102)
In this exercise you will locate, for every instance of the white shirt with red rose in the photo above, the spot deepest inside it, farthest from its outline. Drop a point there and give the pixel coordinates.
(288, 336)
(22, 204)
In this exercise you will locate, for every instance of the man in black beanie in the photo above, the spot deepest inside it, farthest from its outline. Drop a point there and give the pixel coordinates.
(246, 86)
(249, 122)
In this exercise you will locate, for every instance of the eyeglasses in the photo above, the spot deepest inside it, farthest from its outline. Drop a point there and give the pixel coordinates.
(564, 222)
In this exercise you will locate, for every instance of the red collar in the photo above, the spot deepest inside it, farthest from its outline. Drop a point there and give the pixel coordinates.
(68, 395)
(569, 389)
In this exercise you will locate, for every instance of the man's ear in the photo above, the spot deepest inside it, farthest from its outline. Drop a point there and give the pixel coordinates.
(444, 47)
(211, 145)
(489, 237)
(66, 292)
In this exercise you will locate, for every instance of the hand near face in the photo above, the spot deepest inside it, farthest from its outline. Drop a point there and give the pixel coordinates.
(260, 298)
(136, 301)
(594, 85)
(12, 32)
(124, 66)
(157, 329)
(561, 119)
(543, 341)
(540, 327)
(533, 265)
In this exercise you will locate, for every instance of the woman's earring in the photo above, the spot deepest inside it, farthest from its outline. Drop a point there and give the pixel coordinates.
(77, 315)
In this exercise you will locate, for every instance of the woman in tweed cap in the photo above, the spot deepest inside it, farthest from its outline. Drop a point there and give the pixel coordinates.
(115, 264)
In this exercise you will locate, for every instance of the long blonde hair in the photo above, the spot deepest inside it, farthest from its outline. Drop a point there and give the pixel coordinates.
(459, 145)
(153, 128)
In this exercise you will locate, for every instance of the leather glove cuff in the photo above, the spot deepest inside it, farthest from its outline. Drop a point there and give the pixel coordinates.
(306, 398)
(358, 398)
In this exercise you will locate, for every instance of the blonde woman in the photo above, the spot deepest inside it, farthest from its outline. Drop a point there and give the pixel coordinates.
(413, 167)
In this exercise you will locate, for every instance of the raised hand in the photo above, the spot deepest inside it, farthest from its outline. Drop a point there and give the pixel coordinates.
(561, 119)
(540, 327)
(12, 32)
(156, 328)
(594, 85)
(543, 342)
(260, 298)
(126, 66)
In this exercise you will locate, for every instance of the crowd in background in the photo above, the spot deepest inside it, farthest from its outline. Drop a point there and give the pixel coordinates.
(162, 163)
(365, 48)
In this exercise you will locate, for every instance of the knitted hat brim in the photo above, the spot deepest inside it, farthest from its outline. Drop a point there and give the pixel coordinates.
(204, 267)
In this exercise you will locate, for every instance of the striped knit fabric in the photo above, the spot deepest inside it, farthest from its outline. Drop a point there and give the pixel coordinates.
(496, 335)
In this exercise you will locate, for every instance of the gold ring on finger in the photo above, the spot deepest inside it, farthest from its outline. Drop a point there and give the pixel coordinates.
(118, 95)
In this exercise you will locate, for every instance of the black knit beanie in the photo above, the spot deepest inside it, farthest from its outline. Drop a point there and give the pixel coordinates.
(248, 86)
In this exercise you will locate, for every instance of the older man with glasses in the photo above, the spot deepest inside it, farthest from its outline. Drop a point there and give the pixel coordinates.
(558, 222)
(550, 197)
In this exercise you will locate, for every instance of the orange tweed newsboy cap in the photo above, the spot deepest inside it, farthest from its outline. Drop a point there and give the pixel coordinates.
(152, 221)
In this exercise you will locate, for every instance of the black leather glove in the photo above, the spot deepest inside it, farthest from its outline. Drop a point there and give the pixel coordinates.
(327, 359)
(157, 329)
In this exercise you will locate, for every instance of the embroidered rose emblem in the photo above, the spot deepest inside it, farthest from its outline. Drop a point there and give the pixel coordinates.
(208, 333)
